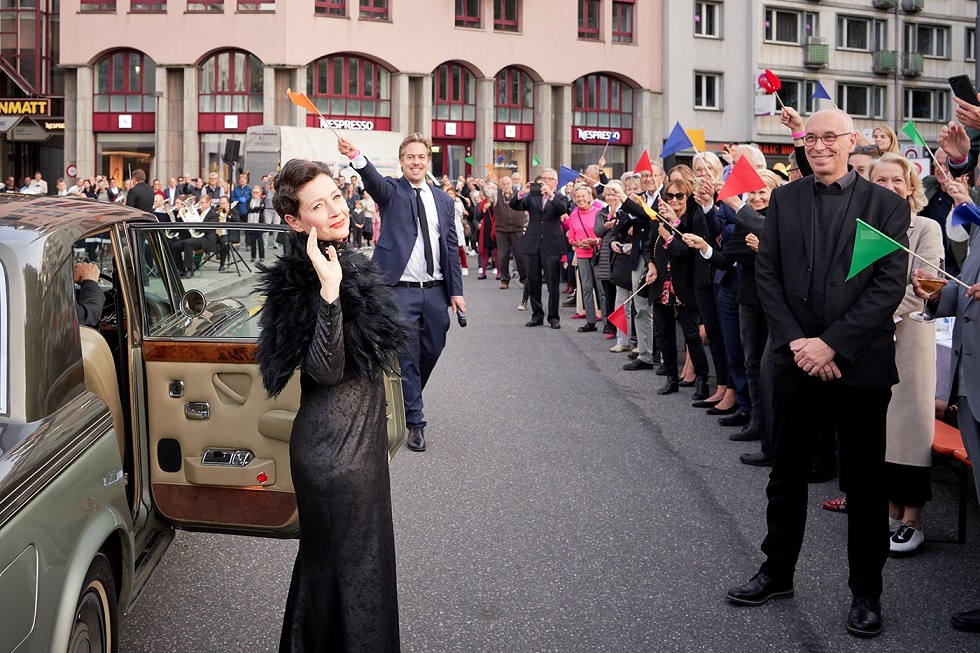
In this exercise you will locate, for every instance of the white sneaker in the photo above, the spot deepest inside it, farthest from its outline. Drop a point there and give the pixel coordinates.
(906, 540)
(893, 524)
(522, 306)
(619, 348)
(466, 272)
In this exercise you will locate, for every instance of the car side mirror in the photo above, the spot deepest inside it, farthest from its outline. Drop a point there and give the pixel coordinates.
(193, 303)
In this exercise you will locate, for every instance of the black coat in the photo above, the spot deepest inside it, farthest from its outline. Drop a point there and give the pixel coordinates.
(543, 234)
(140, 197)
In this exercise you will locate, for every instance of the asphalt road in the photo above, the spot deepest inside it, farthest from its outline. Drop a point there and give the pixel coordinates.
(563, 506)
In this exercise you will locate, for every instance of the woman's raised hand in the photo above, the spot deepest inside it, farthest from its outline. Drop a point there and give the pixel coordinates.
(695, 241)
(327, 267)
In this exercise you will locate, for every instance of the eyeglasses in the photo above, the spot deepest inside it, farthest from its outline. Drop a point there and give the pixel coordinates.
(827, 139)
(675, 196)
(549, 178)
(873, 150)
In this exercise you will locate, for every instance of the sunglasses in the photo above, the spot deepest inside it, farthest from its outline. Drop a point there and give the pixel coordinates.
(675, 196)
(873, 150)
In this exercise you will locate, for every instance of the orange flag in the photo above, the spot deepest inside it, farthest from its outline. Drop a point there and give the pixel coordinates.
(644, 165)
(300, 100)
(743, 179)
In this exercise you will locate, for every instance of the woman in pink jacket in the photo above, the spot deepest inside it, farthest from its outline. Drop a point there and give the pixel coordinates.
(581, 236)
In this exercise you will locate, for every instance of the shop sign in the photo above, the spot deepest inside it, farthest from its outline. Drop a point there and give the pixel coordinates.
(510, 131)
(54, 126)
(357, 125)
(27, 131)
(600, 135)
(25, 107)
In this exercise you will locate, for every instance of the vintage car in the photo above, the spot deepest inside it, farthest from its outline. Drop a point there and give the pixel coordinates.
(111, 437)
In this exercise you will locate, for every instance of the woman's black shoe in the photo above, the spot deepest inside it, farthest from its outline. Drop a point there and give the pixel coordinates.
(670, 387)
(714, 410)
(706, 403)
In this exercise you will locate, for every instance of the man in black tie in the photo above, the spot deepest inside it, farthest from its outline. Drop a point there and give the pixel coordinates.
(418, 252)
(544, 243)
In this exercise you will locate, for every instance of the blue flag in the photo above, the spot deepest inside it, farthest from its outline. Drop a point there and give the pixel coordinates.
(821, 93)
(677, 141)
(566, 175)
(500, 158)
(965, 214)
(613, 137)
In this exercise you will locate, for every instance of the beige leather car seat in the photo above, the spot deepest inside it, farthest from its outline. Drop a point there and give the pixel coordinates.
(101, 380)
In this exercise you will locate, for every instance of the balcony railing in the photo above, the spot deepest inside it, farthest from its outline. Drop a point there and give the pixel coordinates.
(913, 6)
(913, 64)
(883, 62)
(815, 52)
(883, 4)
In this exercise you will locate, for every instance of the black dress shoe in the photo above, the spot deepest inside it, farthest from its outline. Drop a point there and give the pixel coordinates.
(818, 475)
(661, 370)
(416, 439)
(760, 589)
(700, 389)
(670, 386)
(747, 433)
(738, 419)
(706, 403)
(535, 322)
(757, 459)
(864, 618)
(585, 328)
(968, 622)
(554, 323)
(714, 410)
(686, 384)
(637, 364)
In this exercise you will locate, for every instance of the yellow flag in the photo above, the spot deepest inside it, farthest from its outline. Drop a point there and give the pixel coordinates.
(697, 138)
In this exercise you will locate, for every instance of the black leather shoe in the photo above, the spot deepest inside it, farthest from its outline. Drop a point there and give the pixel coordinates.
(714, 410)
(757, 459)
(585, 328)
(760, 589)
(686, 384)
(637, 364)
(416, 439)
(864, 618)
(818, 475)
(554, 323)
(968, 622)
(736, 419)
(535, 322)
(670, 386)
(662, 370)
(700, 389)
(568, 303)
(706, 403)
(747, 433)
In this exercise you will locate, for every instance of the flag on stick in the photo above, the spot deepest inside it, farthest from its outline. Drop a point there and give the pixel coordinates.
(910, 130)
(744, 178)
(820, 93)
(535, 161)
(300, 100)
(697, 139)
(618, 318)
(470, 161)
(965, 214)
(566, 175)
(772, 85)
(644, 164)
(870, 245)
(677, 141)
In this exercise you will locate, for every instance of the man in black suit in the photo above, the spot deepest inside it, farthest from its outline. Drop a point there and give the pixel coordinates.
(833, 354)
(543, 244)
(140, 196)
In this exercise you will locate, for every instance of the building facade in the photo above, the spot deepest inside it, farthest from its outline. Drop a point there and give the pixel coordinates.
(495, 83)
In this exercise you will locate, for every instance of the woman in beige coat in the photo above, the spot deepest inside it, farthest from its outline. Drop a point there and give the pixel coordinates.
(911, 412)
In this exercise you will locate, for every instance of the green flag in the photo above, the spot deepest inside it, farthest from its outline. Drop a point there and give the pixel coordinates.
(470, 160)
(869, 246)
(913, 134)
(535, 161)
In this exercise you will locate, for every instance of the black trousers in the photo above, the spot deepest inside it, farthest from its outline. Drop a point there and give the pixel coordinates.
(858, 414)
(549, 265)
(185, 248)
(509, 243)
(754, 332)
(665, 324)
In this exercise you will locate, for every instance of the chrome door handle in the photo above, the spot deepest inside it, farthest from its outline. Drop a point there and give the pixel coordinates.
(199, 410)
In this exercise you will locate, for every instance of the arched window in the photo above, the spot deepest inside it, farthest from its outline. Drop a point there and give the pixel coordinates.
(230, 82)
(515, 97)
(350, 88)
(602, 101)
(124, 83)
(454, 93)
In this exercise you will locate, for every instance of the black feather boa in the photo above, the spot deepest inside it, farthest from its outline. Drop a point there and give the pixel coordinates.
(374, 331)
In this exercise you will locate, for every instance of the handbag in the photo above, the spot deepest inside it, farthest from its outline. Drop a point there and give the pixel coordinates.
(620, 270)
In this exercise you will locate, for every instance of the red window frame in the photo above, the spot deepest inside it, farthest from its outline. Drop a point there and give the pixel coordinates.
(97, 7)
(211, 7)
(373, 10)
(602, 95)
(218, 102)
(262, 7)
(451, 88)
(330, 7)
(468, 13)
(321, 87)
(622, 21)
(148, 7)
(509, 86)
(506, 15)
(589, 11)
(135, 96)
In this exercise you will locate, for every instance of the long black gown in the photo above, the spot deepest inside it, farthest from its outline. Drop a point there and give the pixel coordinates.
(343, 595)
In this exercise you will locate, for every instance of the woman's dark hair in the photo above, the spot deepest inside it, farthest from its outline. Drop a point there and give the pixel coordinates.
(290, 178)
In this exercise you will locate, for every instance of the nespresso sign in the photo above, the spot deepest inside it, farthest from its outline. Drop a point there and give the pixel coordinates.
(25, 107)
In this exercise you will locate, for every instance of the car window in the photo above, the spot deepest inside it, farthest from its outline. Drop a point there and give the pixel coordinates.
(209, 258)
(4, 343)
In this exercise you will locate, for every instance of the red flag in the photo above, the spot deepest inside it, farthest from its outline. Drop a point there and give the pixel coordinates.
(743, 179)
(618, 318)
(773, 80)
(643, 166)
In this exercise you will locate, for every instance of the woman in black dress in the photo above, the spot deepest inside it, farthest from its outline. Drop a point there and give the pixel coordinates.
(328, 312)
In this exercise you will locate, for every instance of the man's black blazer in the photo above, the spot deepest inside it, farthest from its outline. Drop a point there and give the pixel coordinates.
(140, 197)
(543, 234)
(857, 313)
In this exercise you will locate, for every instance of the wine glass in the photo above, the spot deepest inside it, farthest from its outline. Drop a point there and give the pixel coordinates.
(929, 286)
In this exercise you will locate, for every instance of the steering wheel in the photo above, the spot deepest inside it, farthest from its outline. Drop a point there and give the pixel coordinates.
(103, 275)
